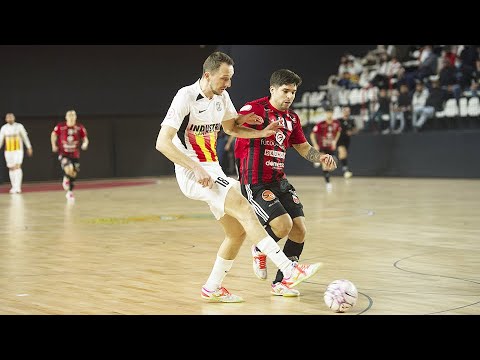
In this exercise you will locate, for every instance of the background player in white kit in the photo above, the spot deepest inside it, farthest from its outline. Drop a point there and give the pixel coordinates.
(15, 137)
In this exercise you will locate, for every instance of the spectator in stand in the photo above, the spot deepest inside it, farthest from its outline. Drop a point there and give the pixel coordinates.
(435, 102)
(383, 111)
(419, 98)
(402, 110)
(472, 91)
(448, 80)
(333, 91)
(428, 63)
(344, 81)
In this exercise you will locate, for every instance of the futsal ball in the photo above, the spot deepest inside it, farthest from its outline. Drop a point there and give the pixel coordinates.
(340, 295)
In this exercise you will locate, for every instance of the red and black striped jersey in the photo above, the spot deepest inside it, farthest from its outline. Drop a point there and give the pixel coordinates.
(262, 160)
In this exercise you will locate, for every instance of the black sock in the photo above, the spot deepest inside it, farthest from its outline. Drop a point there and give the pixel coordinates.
(293, 251)
(71, 182)
(344, 163)
(326, 174)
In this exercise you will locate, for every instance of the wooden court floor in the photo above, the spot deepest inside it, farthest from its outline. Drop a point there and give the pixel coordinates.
(411, 246)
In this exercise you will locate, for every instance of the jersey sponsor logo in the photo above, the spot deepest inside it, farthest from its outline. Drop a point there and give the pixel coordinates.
(267, 195)
(275, 164)
(204, 129)
(267, 142)
(246, 107)
(273, 153)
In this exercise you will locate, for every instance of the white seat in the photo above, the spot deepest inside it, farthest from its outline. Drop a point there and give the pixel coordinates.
(451, 108)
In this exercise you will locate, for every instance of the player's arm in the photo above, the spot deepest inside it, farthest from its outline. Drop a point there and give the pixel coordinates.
(26, 140)
(53, 140)
(313, 139)
(165, 145)
(308, 152)
(233, 129)
(230, 140)
(2, 137)
(354, 130)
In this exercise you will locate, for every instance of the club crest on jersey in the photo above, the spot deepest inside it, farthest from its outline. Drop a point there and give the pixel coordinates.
(218, 106)
(295, 199)
(267, 195)
(279, 136)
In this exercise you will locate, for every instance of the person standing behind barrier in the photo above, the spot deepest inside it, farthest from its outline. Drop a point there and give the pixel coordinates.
(66, 139)
(324, 137)
(15, 137)
(349, 128)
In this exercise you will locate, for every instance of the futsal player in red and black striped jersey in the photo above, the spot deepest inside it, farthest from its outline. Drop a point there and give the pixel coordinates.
(261, 163)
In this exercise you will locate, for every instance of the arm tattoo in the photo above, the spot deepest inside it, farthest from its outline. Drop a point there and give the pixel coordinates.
(313, 155)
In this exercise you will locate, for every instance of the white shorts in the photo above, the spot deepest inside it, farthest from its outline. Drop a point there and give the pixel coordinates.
(214, 197)
(13, 158)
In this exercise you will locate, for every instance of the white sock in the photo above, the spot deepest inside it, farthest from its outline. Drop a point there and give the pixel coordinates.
(19, 178)
(269, 247)
(12, 175)
(219, 271)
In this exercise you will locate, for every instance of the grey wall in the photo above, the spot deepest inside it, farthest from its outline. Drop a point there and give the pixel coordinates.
(449, 154)
(47, 80)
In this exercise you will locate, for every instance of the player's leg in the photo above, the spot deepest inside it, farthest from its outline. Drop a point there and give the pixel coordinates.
(326, 170)
(237, 206)
(272, 215)
(343, 157)
(18, 170)
(69, 175)
(213, 289)
(12, 167)
(294, 244)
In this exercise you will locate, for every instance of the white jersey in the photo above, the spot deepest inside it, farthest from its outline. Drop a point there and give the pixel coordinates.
(198, 120)
(14, 135)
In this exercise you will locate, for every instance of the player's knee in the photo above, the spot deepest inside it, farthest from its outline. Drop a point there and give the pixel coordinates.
(299, 233)
(282, 225)
(238, 238)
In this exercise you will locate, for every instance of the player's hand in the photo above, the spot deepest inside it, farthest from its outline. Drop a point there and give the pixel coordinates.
(54, 148)
(30, 152)
(84, 146)
(202, 176)
(329, 161)
(251, 119)
(271, 129)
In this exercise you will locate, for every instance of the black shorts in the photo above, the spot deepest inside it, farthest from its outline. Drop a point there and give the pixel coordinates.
(273, 200)
(65, 161)
(344, 141)
(327, 151)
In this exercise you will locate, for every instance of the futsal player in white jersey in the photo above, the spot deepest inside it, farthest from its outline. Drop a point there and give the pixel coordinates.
(187, 137)
(14, 136)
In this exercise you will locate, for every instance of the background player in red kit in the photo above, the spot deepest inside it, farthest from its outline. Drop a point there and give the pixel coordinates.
(263, 182)
(324, 137)
(349, 129)
(66, 138)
